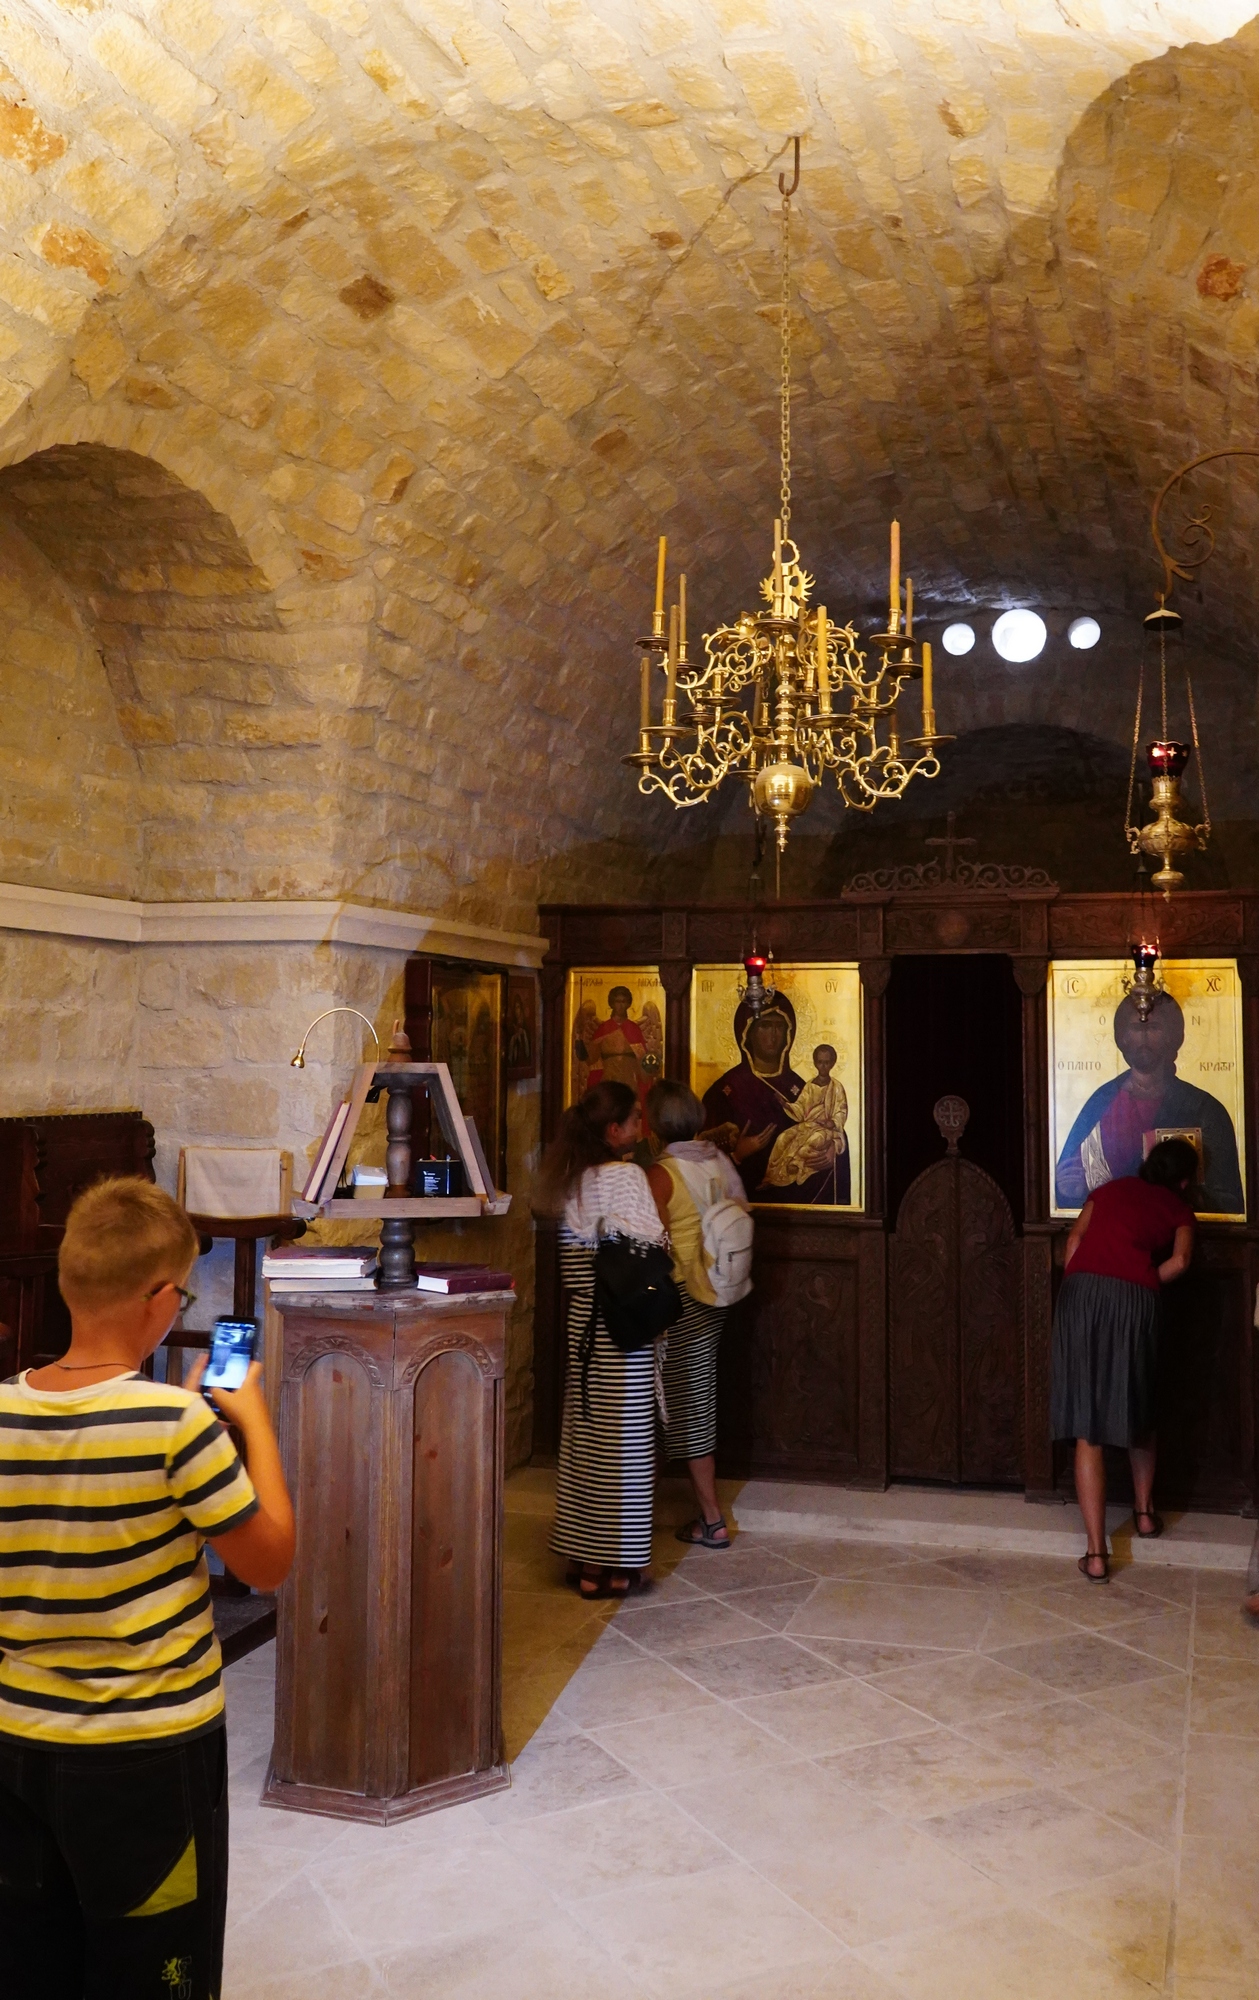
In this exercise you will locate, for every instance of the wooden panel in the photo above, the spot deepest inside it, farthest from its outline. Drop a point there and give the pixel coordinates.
(1209, 920)
(980, 926)
(990, 1326)
(44, 1164)
(452, 1633)
(923, 1332)
(789, 1401)
(330, 1583)
(612, 937)
(955, 1331)
(1204, 1374)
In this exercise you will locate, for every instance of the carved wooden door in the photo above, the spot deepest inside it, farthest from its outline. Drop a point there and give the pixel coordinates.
(956, 1333)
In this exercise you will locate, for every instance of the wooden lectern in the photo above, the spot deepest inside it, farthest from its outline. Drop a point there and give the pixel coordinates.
(388, 1690)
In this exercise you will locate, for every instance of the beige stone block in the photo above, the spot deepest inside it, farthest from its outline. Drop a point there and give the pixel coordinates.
(393, 478)
(772, 88)
(340, 506)
(147, 71)
(492, 65)
(231, 314)
(272, 726)
(285, 356)
(28, 289)
(347, 450)
(351, 15)
(25, 139)
(411, 261)
(497, 344)
(264, 92)
(193, 25)
(399, 87)
(116, 201)
(306, 52)
(296, 428)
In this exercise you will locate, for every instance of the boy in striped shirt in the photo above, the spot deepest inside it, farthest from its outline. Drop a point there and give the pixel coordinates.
(113, 1753)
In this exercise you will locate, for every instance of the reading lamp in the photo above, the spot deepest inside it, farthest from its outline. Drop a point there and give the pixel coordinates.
(299, 1060)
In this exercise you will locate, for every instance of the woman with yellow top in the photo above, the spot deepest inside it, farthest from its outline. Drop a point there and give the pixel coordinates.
(692, 1176)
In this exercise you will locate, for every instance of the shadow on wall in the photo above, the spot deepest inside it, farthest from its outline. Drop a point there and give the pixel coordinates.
(1030, 795)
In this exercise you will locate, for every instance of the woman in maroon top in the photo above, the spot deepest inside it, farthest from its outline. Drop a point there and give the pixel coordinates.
(1131, 1237)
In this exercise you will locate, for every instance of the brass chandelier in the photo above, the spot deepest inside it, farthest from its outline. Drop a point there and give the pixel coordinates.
(784, 694)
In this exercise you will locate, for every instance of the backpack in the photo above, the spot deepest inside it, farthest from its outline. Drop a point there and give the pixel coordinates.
(727, 1230)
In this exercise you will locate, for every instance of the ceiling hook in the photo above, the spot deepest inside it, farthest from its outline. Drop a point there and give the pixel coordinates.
(783, 189)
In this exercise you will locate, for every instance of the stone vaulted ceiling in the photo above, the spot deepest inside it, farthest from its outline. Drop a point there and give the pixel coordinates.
(447, 309)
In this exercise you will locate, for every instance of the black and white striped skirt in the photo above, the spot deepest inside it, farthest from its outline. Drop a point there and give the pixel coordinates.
(690, 1379)
(605, 1475)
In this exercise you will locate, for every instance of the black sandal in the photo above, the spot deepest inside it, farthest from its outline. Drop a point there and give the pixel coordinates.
(707, 1535)
(1149, 1534)
(1095, 1556)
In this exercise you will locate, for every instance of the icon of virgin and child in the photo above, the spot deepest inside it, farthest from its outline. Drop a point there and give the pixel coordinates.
(784, 1132)
(1148, 1101)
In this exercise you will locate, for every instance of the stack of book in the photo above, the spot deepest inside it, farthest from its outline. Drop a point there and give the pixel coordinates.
(329, 1267)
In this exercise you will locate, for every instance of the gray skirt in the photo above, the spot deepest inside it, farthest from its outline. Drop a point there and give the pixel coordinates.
(1105, 1360)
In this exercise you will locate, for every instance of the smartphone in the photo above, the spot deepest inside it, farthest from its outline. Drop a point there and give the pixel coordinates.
(231, 1350)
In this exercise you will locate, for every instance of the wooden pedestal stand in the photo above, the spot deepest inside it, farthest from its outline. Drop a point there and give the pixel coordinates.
(388, 1689)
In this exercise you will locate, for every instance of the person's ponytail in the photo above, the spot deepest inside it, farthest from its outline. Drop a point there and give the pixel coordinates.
(580, 1142)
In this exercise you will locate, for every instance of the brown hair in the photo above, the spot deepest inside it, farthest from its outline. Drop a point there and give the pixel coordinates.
(674, 1111)
(122, 1236)
(581, 1142)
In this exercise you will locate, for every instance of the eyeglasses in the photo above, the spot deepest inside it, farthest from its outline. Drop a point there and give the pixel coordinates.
(186, 1298)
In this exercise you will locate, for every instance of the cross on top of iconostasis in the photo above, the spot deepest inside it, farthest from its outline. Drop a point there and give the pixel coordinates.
(949, 840)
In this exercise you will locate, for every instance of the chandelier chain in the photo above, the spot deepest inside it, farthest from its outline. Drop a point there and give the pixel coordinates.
(1197, 754)
(785, 383)
(1129, 827)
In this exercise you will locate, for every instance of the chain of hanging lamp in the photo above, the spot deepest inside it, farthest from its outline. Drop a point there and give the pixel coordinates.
(784, 694)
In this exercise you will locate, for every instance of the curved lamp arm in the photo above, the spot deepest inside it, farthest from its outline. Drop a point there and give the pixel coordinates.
(299, 1060)
(1197, 532)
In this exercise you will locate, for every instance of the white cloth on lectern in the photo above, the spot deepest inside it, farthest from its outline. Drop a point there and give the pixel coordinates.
(232, 1180)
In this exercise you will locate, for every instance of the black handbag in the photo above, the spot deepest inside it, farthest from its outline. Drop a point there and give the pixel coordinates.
(634, 1295)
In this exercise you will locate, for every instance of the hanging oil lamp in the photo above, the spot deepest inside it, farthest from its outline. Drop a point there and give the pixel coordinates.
(1170, 832)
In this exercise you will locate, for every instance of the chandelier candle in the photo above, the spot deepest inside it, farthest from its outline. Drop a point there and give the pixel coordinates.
(894, 585)
(761, 705)
(909, 607)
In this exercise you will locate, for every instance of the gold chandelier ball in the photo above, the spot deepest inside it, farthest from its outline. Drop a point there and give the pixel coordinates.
(781, 790)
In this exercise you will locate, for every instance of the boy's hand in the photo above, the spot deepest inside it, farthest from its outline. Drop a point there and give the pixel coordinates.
(242, 1407)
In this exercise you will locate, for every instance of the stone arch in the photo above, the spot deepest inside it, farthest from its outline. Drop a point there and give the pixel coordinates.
(206, 680)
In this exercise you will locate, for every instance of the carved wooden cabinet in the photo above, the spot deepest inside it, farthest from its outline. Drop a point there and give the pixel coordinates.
(388, 1689)
(44, 1164)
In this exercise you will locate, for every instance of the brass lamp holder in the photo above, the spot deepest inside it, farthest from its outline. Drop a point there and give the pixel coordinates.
(1170, 833)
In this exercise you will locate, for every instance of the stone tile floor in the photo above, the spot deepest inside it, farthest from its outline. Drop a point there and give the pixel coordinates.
(803, 1770)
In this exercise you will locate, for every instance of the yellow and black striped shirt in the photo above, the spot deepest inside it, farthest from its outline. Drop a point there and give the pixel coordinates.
(106, 1497)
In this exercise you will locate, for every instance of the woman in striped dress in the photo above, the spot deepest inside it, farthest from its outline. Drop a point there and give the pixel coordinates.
(690, 1176)
(605, 1477)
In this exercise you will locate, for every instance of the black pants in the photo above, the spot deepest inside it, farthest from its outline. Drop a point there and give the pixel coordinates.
(113, 1870)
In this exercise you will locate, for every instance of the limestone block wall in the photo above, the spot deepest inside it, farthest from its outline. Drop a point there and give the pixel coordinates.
(199, 1038)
